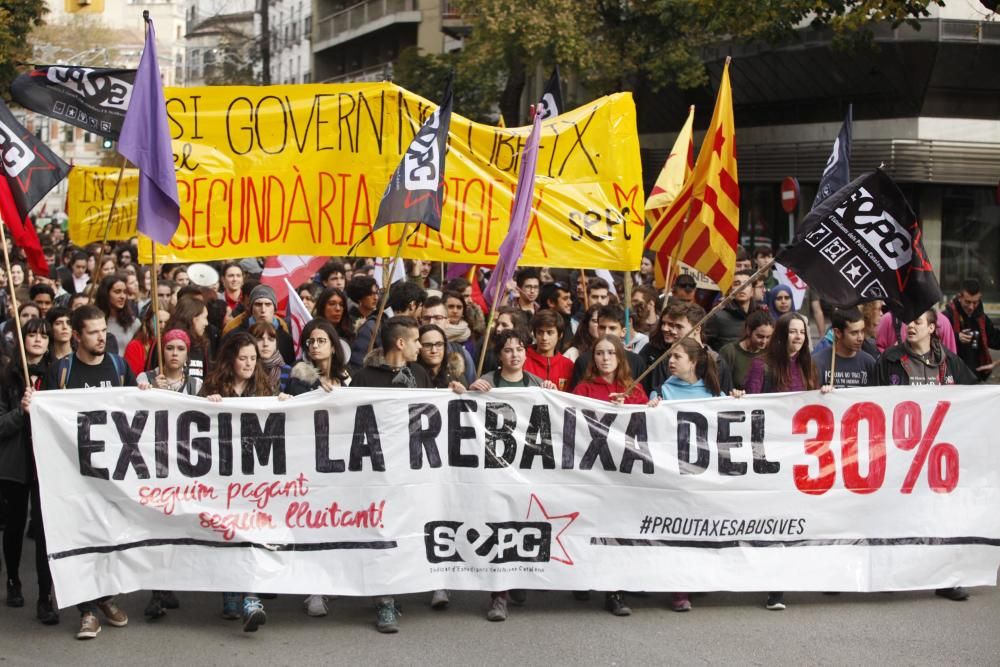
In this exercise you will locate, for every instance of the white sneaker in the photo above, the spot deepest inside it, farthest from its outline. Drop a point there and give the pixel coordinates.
(439, 599)
(315, 605)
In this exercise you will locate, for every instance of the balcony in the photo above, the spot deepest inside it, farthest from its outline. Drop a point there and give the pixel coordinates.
(361, 19)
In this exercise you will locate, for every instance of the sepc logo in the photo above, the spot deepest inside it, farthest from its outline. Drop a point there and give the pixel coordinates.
(498, 542)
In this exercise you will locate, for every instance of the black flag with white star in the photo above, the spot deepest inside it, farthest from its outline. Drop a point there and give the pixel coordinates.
(864, 243)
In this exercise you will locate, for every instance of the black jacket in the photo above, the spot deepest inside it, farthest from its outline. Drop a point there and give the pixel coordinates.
(942, 367)
(17, 462)
(377, 373)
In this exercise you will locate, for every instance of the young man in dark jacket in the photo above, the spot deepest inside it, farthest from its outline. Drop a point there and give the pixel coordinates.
(975, 334)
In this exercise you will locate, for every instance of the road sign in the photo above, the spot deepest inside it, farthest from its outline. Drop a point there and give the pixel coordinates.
(790, 194)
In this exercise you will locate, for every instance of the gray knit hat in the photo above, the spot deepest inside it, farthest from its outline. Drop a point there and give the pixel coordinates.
(263, 292)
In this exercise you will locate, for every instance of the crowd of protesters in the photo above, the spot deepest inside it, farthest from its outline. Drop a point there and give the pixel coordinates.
(92, 323)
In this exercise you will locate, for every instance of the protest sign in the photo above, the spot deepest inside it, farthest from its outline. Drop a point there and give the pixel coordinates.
(299, 170)
(377, 491)
(88, 204)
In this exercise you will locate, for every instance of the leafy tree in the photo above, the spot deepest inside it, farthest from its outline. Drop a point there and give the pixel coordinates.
(17, 19)
(475, 89)
(635, 44)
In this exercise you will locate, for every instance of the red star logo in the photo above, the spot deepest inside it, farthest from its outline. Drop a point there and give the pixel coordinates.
(628, 198)
(568, 518)
(24, 179)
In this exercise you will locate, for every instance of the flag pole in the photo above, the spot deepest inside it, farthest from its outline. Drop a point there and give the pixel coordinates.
(628, 307)
(719, 306)
(107, 230)
(491, 319)
(833, 360)
(17, 315)
(156, 307)
(385, 287)
(586, 296)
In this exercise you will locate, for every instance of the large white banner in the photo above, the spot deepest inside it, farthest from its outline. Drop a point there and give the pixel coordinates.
(368, 492)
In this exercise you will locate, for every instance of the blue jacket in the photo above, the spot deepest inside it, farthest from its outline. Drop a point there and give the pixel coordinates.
(676, 389)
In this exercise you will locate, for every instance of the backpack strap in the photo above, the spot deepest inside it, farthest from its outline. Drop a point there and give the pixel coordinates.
(119, 368)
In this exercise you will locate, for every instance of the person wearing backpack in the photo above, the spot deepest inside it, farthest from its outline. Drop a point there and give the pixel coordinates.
(90, 366)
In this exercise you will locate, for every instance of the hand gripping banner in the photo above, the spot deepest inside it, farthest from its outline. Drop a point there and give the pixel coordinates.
(369, 492)
(299, 170)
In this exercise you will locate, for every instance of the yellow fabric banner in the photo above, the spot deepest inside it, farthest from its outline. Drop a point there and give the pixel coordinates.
(91, 190)
(300, 170)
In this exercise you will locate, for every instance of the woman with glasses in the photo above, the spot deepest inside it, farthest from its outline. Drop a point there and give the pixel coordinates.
(443, 367)
(322, 366)
(332, 306)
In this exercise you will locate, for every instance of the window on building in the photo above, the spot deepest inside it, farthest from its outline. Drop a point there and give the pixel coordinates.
(307, 27)
(68, 134)
(87, 137)
(970, 240)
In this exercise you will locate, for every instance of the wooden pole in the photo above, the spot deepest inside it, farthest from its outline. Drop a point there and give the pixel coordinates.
(586, 297)
(386, 285)
(95, 279)
(492, 318)
(156, 310)
(833, 361)
(719, 306)
(13, 300)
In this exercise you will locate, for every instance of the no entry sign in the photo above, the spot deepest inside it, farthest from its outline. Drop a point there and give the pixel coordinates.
(790, 194)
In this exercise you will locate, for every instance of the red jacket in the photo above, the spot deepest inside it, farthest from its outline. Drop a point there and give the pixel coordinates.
(557, 370)
(600, 389)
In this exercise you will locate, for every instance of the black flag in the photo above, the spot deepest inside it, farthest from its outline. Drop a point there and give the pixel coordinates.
(551, 104)
(89, 98)
(863, 243)
(837, 172)
(416, 190)
(28, 171)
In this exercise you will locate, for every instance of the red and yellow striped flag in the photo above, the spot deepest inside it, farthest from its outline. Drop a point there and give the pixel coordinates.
(701, 226)
(675, 173)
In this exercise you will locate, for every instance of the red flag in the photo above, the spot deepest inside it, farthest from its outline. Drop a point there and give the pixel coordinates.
(296, 268)
(22, 231)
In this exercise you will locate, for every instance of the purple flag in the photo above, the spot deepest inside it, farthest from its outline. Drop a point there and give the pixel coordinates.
(145, 140)
(520, 216)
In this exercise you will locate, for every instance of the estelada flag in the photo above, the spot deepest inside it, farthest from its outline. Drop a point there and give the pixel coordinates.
(91, 98)
(676, 171)
(863, 243)
(30, 171)
(701, 228)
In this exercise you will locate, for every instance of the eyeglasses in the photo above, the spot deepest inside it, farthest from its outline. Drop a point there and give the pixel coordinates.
(433, 346)
(684, 285)
(317, 342)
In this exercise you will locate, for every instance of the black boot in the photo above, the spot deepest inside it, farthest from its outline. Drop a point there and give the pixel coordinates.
(46, 613)
(14, 597)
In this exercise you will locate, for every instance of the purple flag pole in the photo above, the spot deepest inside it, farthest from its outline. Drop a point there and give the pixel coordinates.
(520, 216)
(145, 140)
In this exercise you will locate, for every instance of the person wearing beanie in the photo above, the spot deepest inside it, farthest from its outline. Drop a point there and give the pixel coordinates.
(263, 304)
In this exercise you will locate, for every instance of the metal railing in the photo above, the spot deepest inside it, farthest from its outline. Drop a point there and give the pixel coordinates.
(371, 74)
(359, 15)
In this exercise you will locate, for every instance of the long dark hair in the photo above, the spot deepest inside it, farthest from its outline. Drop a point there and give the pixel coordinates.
(125, 316)
(344, 329)
(776, 358)
(705, 368)
(182, 318)
(12, 376)
(221, 379)
(582, 340)
(338, 366)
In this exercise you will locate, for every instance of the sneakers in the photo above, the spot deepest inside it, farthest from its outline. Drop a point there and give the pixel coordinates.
(90, 627)
(680, 602)
(956, 594)
(169, 600)
(315, 605)
(615, 603)
(439, 600)
(231, 606)
(387, 617)
(154, 609)
(253, 613)
(498, 608)
(46, 613)
(517, 596)
(14, 596)
(115, 616)
(775, 601)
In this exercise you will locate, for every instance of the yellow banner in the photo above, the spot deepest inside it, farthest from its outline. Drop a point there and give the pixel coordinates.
(300, 170)
(91, 190)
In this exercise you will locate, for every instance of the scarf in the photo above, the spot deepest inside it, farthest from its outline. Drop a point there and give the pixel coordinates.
(457, 333)
(272, 365)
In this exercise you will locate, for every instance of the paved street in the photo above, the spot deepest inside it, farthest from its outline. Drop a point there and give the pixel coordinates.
(552, 629)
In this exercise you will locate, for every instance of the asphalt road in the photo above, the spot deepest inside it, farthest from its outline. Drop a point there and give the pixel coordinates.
(914, 628)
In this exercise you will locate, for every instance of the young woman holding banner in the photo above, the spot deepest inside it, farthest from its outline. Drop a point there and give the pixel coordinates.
(785, 366)
(693, 375)
(18, 482)
(237, 374)
(606, 377)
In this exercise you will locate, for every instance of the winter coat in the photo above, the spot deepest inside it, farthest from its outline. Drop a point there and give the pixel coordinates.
(900, 366)
(600, 389)
(17, 462)
(377, 373)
